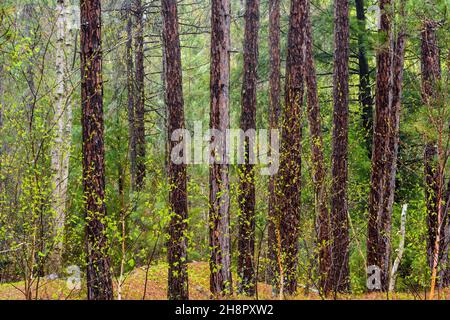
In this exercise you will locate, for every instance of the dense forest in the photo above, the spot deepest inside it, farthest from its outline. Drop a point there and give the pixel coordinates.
(224, 149)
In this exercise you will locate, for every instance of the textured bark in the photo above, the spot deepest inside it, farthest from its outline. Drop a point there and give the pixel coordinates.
(434, 188)
(139, 123)
(317, 157)
(274, 116)
(219, 197)
(365, 94)
(378, 220)
(130, 96)
(430, 63)
(385, 148)
(246, 197)
(339, 277)
(431, 194)
(393, 140)
(61, 145)
(177, 244)
(289, 175)
(98, 274)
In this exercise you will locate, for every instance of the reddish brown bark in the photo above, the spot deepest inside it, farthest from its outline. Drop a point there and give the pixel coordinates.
(393, 138)
(317, 157)
(177, 244)
(139, 122)
(289, 175)
(386, 139)
(130, 97)
(219, 198)
(378, 224)
(246, 197)
(434, 180)
(339, 273)
(99, 282)
(430, 63)
(274, 116)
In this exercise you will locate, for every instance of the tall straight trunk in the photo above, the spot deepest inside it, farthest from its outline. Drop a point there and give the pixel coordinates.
(274, 116)
(378, 225)
(392, 141)
(219, 197)
(130, 96)
(61, 146)
(365, 94)
(98, 274)
(434, 180)
(317, 157)
(177, 245)
(289, 176)
(340, 281)
(246, 197)
(139, 122)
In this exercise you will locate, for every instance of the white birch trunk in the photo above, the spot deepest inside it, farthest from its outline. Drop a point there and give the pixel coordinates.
(63, 129)
(400, 249)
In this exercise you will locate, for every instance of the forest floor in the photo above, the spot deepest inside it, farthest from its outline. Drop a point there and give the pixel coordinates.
(156, 289)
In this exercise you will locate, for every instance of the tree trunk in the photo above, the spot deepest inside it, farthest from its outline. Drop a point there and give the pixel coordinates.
(317, 157)
(130, 93)
(177, 245)
(365, 94)
(378, 230)
(99, 281)
(61, 145)
(393, 140)
(400, 249)
(340, 280)
(289, 176)
(139, 123)
(434, 188)
(274, 105)
(246, 197)
(219, 198)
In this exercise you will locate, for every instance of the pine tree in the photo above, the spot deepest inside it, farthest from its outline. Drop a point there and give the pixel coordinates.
(219, 197)
(139, 111)
(289, 176)
(340, 277)
(177, 243)
(246, 242)
(98, 274)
